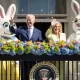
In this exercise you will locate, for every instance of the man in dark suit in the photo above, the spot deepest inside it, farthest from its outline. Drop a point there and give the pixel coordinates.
(28, 32)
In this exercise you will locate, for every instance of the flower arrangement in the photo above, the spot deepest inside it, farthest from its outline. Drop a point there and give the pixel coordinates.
(40, 48)
(20, 48)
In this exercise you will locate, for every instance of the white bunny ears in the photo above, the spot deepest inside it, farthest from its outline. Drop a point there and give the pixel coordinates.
(75, 7)
(10, 12)
(2, 12)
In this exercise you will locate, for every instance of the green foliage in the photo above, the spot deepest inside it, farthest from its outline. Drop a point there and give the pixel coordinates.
(5, 48)
(12, 47)
(56, 48)
(60, 43)
(71, 46)
(19, 49)
(27, 50)
(35, 47)
(46, 47)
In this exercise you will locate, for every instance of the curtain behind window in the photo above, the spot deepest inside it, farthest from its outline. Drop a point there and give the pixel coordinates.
(41, 6)
(60, 7)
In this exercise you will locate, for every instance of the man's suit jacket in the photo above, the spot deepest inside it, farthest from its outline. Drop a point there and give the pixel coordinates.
(23, 33)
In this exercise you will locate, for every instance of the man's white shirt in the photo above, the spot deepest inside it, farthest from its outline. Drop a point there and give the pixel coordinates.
(31, 31)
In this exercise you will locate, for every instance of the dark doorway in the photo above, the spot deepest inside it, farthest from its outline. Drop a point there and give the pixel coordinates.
(42, 26)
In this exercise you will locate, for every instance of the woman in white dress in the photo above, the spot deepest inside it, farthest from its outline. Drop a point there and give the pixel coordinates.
(55, 31)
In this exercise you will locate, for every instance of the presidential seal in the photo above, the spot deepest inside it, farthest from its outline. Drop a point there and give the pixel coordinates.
(44, 71)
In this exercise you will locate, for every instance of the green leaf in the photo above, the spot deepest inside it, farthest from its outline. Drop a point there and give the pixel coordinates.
(56, 48)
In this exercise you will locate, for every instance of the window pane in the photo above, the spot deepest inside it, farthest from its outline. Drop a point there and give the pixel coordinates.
(22, 6)
(51, 6)
(41, 6)
(38, 6)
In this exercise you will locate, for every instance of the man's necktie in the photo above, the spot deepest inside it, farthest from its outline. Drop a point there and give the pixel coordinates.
(29, 32)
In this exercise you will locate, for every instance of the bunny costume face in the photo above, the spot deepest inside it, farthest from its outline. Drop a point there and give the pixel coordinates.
(76, 9)
(4, 20)
(76, 22)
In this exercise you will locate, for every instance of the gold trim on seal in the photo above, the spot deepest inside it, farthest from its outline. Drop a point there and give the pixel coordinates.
(40, 64)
